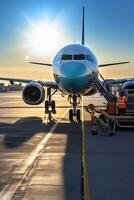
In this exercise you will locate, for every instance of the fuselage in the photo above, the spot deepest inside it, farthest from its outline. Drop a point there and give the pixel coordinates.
(75, 69)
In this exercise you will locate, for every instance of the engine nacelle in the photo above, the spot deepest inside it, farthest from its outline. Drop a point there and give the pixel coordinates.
(33, 93)
(128, 85)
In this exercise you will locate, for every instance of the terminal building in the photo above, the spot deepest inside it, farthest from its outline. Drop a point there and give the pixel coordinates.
(11, 87)
(3, 88)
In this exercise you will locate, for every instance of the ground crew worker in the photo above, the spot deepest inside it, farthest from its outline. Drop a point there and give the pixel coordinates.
(122, 103)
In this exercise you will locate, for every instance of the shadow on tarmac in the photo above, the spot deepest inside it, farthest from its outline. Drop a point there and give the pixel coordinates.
(72, 160)
(22, 130)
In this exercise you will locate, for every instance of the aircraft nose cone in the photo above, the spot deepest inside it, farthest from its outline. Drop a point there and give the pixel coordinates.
(73, 76)
(73, 69)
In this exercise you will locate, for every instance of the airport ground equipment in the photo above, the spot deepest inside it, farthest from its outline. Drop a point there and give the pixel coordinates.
(99, 123)
(104, 123)
(104, 90)
(129, 92)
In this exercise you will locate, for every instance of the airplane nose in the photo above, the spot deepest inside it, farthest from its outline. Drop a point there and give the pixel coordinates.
(73, 69)
(73, 77)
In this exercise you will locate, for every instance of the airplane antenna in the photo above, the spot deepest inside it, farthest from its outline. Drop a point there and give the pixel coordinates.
(83, 27)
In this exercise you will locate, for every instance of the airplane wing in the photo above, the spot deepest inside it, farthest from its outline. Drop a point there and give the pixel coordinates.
(119, 81)
(102, 65)
(45, 83)
(38, 63)
(110, 64)
(16, 80)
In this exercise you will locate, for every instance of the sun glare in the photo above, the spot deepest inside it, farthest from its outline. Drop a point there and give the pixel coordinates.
(44, 38)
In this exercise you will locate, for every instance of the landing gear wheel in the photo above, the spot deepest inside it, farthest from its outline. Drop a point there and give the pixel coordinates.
(74, 101)
(46, 105)
(53, 105)
(71, 115)
(78, 117)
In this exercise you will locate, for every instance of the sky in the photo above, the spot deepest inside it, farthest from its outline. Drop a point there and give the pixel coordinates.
(109, 31)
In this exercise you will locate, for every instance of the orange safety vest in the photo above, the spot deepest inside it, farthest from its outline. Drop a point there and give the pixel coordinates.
(122, 102)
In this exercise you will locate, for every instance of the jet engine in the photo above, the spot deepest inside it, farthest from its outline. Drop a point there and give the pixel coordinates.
(33, 93)
(129, 85)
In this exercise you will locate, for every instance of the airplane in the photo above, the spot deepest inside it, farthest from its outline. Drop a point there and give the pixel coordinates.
(75, 71)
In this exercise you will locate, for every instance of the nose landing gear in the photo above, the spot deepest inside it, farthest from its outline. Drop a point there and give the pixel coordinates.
(50, 107)
(74, 112)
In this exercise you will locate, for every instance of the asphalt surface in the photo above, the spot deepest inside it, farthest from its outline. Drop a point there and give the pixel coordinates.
(42, 160)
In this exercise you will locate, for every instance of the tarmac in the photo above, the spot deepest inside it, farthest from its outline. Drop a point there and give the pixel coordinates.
(41, 160)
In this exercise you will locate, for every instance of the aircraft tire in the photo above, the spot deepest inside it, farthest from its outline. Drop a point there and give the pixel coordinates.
(78, 116)
(46, 105)
(70, 115)
(53, 105)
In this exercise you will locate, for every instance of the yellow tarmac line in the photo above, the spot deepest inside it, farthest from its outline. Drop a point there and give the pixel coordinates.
(87, 195)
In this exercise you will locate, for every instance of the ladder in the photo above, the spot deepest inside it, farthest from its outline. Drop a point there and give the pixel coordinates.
(101, 86)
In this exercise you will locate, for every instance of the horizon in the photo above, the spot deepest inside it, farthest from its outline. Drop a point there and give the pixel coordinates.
(43, 72)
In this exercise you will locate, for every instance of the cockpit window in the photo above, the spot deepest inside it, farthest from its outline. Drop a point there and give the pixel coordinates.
(79, 57)
(58, 58)
(66, 57)
(89, 57)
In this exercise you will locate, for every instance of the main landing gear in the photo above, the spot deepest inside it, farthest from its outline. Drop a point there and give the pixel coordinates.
(74, 112)
(49, 103)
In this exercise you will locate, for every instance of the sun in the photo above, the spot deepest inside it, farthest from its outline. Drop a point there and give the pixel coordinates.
(43, 38)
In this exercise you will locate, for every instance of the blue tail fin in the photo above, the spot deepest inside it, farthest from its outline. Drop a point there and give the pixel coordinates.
(83, 27)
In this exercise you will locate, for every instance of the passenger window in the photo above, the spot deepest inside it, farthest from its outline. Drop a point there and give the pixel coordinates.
(66, 57)
(79, 57)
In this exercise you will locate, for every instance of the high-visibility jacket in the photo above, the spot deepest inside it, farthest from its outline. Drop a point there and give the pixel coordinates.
(122, 102)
